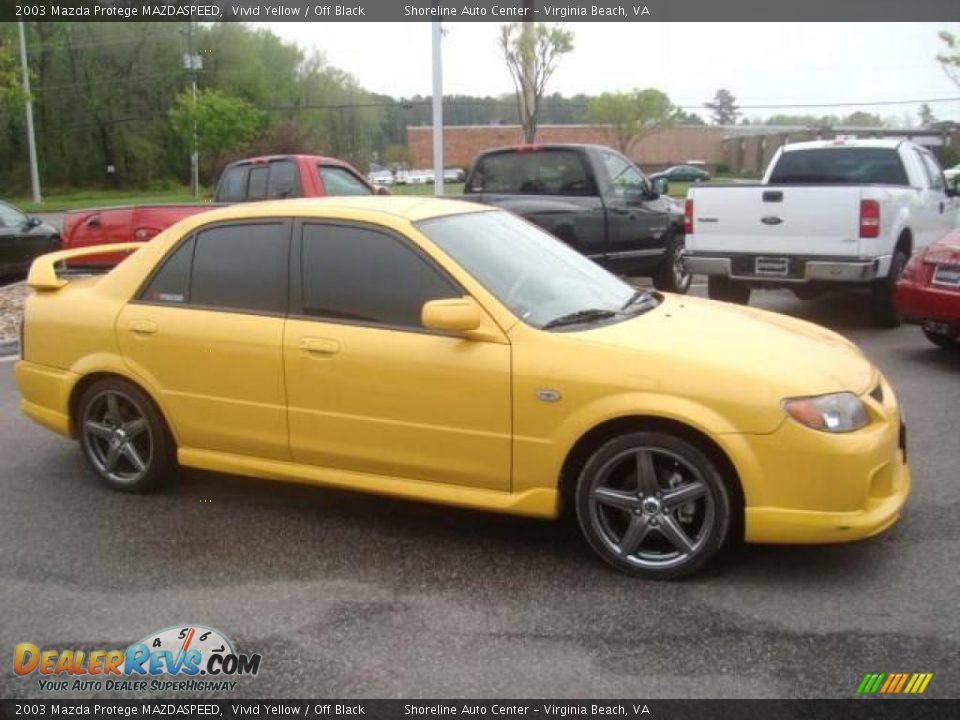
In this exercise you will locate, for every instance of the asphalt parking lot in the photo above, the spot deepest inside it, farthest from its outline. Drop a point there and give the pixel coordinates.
(349, 595)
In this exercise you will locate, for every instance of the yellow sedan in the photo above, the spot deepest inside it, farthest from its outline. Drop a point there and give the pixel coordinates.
(442, 351)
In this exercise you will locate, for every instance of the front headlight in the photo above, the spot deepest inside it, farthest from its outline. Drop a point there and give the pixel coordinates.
(837, 413)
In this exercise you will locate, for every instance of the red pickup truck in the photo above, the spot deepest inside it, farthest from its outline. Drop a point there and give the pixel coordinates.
(272, 177)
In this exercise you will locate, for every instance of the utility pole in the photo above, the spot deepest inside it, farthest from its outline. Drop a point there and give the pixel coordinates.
(195, 151)
(31, 139)
(437, 110)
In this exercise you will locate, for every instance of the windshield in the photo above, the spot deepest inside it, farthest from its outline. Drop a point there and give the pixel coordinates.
(839, 166)
(535, 275)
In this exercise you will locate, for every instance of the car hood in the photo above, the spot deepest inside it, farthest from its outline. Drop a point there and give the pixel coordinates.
(730, 351)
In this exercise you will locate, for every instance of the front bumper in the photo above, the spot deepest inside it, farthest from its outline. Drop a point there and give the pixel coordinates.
(800, 269)
(818, 487)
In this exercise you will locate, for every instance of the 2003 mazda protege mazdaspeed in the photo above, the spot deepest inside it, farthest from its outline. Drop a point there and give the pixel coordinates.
(442, 351)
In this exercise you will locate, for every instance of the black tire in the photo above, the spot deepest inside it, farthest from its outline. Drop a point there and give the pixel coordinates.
(123, 437)
(942, 341)
(659, 494)
(727, 290)
(671, 274)
(883, 307)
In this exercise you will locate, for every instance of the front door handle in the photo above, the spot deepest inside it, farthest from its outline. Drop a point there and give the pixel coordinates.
(143, 327)
(320, 346)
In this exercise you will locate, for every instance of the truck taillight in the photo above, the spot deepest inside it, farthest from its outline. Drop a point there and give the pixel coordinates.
(869, 219)
(688, 217)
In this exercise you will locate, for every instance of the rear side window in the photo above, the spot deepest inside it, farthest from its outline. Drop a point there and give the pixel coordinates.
(536, 172)
(171, 283)
(233, 184)
(932, 170)
(361, 275)
(257, 186)
(283, 180)
(337, 181)
(840, 166)
(242, 267)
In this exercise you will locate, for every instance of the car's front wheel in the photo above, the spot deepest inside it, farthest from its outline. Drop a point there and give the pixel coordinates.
(123, 436)
(653, 505)
(942, 341)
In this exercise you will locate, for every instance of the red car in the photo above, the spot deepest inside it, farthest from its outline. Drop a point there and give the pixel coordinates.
(262, 178)
(929, 291)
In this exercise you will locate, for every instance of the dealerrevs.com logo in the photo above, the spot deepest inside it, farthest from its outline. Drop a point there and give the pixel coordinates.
(186, 658)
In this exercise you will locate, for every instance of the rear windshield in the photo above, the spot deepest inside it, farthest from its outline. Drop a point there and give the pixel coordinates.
(535, 172)
(840, 166)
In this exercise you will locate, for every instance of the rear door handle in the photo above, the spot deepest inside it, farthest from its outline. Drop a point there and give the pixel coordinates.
(143, 327)
(320, 346)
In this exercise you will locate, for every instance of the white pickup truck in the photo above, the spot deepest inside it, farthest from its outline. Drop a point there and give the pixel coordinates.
(828, 213)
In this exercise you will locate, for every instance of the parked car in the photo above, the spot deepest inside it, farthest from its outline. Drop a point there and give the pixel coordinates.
(454, 175)
(929, 291)
(592, 198)
(22, 238)
(380, 178)
(683, 173)
(438, 350)
(952, 175)
(259, 178)
(827, 214)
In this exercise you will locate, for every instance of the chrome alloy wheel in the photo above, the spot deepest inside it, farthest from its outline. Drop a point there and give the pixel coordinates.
(117, 437)
(651, 508)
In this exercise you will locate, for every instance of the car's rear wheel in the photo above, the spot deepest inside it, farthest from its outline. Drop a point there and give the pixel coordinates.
(942, 341)
(727, 290)
(671, 275)
(123, 436)
(653, 505)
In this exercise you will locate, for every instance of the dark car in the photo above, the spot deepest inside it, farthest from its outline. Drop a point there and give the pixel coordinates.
(683, 173)
(592, 198)
(23, 238)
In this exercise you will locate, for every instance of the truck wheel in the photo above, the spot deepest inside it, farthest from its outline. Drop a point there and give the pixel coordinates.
(883, 308)
(671, 274)
(727, 290)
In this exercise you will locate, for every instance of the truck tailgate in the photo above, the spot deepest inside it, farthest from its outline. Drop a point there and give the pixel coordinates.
(813, 220)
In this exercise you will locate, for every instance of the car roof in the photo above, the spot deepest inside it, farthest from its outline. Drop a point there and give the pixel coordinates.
(886, 143)
(410, 208)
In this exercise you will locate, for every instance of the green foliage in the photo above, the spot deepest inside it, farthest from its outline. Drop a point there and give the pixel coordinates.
(631, 116)
(724, 107)
(222, 122)
(11, 90)
(950, 59)
(531, 52)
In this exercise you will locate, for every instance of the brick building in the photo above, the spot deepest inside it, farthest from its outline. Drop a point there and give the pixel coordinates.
(741, 148)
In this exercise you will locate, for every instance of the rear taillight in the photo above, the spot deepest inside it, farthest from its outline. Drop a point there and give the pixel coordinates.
(913, 271)
(688, 217)
(869, 219)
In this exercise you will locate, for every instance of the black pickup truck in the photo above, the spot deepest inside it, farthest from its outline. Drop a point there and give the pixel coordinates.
(592, 198)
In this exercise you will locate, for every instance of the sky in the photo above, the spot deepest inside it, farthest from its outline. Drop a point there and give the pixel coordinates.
(760, 63)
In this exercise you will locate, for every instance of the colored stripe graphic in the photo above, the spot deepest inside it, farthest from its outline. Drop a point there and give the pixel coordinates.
(894, 683)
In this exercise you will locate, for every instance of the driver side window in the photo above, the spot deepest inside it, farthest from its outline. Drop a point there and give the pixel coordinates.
(625, 179)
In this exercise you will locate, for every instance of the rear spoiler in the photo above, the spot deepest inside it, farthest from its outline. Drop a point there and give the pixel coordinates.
(43, 272)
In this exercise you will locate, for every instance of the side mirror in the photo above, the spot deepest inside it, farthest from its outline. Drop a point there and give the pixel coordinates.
(32, 222)
(660, 185)
(456, 315)
(381, 190)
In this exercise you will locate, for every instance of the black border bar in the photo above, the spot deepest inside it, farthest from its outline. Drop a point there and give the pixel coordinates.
(499, 11)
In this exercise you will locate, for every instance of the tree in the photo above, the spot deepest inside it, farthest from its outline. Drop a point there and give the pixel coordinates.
(950, 60)
(11, 91)
(927, 118)
(688, 118)
(631, 116)
(223, 122)
(862, 119)
(724, 107)
(531, 51)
